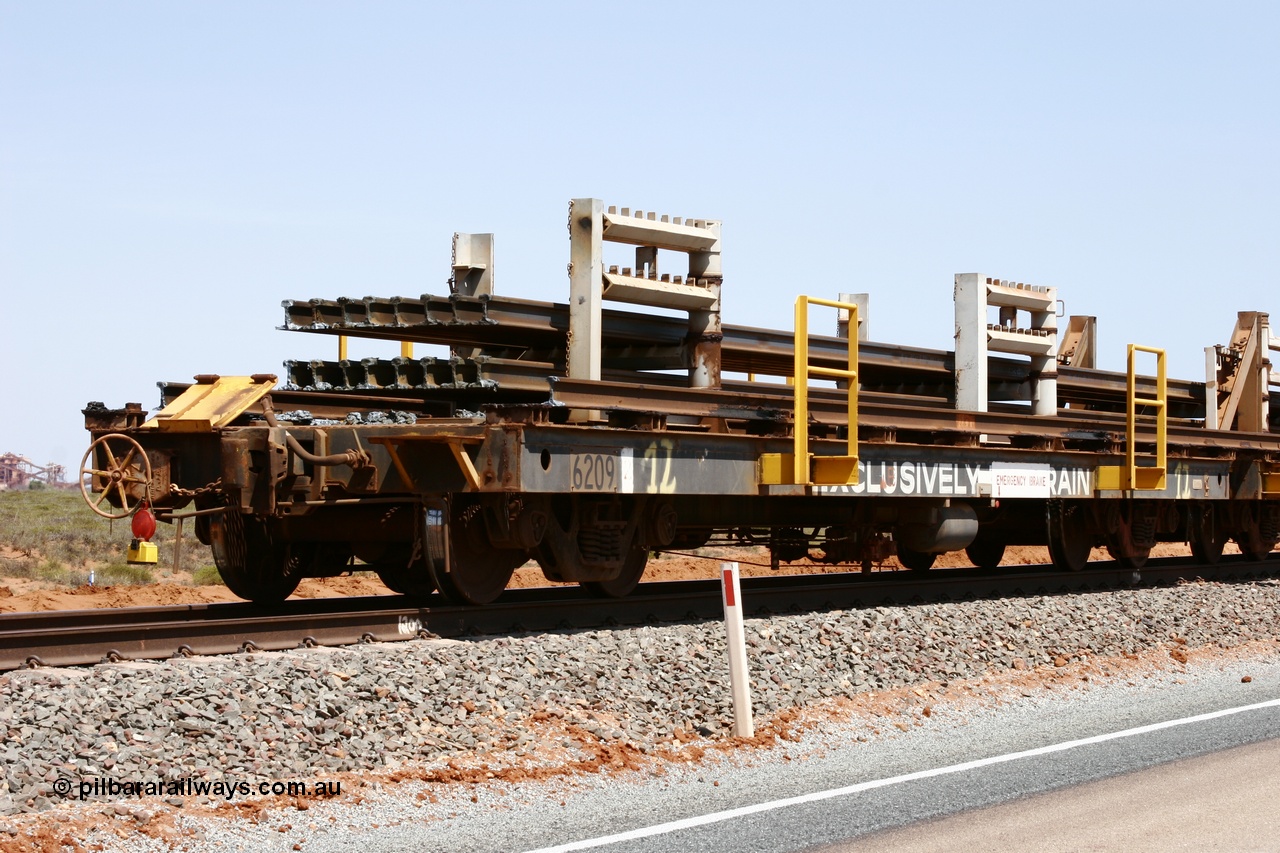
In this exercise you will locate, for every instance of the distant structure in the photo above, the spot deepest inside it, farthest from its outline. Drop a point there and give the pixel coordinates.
(19, 472)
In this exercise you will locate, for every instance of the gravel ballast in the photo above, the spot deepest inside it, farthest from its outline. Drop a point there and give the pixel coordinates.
(424, 704)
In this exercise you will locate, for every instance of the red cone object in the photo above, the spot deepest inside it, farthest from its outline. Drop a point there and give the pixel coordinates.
(144, 524)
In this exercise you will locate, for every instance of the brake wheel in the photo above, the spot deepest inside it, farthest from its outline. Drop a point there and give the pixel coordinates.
(126, 475)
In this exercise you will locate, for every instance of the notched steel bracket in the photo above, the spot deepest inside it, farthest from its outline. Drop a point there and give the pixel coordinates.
(211, 403)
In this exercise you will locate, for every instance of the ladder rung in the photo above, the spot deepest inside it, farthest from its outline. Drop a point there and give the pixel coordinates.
(833, 371)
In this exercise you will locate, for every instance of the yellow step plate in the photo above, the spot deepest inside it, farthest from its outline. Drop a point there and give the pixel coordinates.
(213, 402)
(777, 469)
(1116, 478)
(835, 470)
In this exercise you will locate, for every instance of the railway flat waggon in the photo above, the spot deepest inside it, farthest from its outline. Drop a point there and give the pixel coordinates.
(587, 438)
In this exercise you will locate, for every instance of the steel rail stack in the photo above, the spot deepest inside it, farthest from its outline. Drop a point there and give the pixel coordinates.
(588, 438)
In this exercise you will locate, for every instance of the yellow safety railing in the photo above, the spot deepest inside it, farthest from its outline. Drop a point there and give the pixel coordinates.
(807, 469)
(406, 348)
(1130, 476)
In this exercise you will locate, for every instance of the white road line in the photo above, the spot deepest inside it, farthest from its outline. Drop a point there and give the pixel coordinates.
(744, 811)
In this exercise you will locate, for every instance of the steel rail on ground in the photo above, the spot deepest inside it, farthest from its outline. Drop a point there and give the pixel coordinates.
(68, 638)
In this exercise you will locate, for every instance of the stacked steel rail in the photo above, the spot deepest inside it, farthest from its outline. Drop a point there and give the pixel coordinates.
(523, 341)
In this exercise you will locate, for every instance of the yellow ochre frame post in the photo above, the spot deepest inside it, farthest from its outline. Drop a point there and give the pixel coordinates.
(406, 348)
(836, 470)
(1131, 477)
(1161, 404)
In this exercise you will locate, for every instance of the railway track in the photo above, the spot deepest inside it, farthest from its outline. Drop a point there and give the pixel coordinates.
(69, 638)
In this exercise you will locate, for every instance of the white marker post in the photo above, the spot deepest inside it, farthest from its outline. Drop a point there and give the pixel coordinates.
(739, 677)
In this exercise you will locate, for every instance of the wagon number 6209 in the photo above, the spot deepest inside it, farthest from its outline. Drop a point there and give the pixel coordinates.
(594, 472)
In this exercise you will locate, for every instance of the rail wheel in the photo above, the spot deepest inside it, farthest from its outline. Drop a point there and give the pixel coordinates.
(916, 561)
(126, 475)
(1258, 531)
(1132, 527)
(626, 581)
(1068, 532)
(400, 575)
(255, 564)
(331, 560)
(1254, 550)
(405, 581)
(1135, 558)
(1206, 534)
(584, 540)
(985, 552)
(476, 572)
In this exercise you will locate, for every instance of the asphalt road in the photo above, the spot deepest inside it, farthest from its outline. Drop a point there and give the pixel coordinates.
(1220, 801)
(1057, 822)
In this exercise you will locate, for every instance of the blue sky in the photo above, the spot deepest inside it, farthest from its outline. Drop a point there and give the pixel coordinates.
(170, 171)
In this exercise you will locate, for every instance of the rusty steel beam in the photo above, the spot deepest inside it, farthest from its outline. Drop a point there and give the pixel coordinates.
(502, 377)
(506, 384)
(829, 407)
(639, 341)
(776, 403)
(442, 376)
(336, 405)
(421, 374)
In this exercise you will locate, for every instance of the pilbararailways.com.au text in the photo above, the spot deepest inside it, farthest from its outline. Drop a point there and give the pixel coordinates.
(226, 788)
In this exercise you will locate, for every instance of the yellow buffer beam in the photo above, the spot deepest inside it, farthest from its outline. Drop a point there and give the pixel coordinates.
(211, 403)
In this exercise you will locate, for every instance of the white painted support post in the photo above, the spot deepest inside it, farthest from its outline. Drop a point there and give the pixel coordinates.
(705, 331)
(739, 677)
(975, 337)
(863, 301)
(472, 276)
(586, 270)
(590, 225)
(1210, 387)
(472, 264)
(971, 342)
(1264, 373)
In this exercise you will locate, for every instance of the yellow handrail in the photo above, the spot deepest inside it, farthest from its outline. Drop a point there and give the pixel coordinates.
(803, 369)
(406, 348)
(1161, 404)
